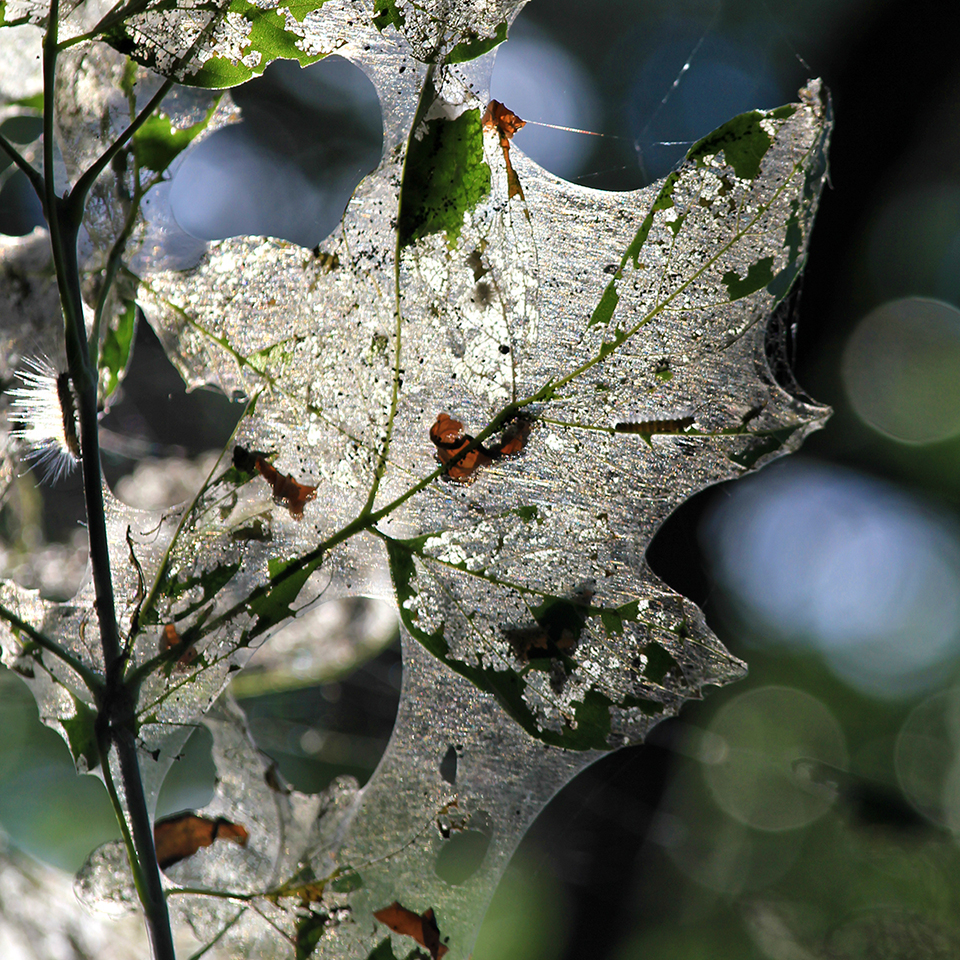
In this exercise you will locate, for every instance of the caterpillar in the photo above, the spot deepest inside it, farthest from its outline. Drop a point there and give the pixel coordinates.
(45, 410)
(676, 425)
(68, 413)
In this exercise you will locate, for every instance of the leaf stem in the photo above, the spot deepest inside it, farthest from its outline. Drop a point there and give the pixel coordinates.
(428, 95)
(78, 195)
(94, 683)
(138, 836)
(109, 274)
(36, 180)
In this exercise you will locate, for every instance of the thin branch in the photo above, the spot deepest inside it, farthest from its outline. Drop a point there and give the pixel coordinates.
(152, 896)
(116, 717)
(64, 222)
(146, 872)
(34, 176)
(93, 681)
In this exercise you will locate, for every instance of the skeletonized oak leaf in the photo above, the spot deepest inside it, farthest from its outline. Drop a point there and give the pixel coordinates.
(561, 308)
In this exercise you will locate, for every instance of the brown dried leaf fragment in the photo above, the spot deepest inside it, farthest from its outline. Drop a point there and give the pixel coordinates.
(287, 491)
(421, 926)
(170, 639)
(183, 834)
(450, 440)
(507, 123)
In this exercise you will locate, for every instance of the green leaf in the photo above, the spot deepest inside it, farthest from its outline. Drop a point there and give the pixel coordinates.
(659, 663)
(34, 103)
(254, 37)
(287, 578)
(347, 882)
(445, 176)
(115, 351)
(758, 276)
(387, 13)
(81, 735)
(473, 46)
(743, 141)
(158, 141)
(309, 930)
(382, 951)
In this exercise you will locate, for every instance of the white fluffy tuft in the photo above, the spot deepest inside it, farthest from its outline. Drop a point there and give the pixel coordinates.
(44, 411)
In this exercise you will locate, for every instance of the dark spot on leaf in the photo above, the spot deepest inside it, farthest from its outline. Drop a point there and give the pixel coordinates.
(475, 263)
(483, 294)
(559, 621)
(448, 765)
(325, 261)
(659, 663)
(170, 640)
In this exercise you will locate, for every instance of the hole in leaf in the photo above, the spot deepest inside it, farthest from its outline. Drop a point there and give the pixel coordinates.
(647, 84)
(307, 138)
(20, 209)
(448, 765)
(542, 81)
(576, 862)
(308, 711)
(159, 441)
(22, 129)
(461, 856)
(46, 808)
(188, 784)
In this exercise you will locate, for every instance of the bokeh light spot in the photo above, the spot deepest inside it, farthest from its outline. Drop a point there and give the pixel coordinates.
(766, 730)
(927, 758)
(824, 558)
(711, 848)
(908, 242)
(900, 370)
